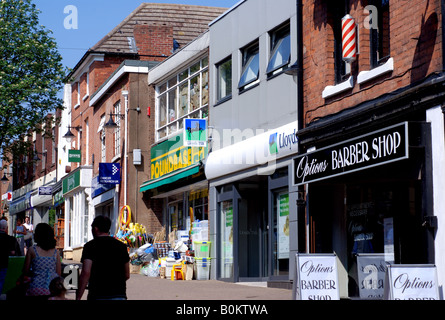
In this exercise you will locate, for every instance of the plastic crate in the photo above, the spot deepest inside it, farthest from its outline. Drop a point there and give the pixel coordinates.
(202, 268)
(202, 249)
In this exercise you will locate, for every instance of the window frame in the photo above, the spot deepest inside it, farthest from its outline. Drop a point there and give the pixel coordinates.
(228, 95)
(377, 57)
(277, 38)
(196, 106)
(249, 55)
(117, 131)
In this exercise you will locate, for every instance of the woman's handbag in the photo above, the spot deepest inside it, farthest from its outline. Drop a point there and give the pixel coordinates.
(28, 235)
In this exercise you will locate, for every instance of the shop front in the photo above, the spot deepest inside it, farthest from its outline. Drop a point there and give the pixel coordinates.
(255, 219)
(178, 184)
(76, 188)
(369, 193)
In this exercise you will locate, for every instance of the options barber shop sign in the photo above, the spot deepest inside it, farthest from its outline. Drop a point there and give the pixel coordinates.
(374, 149)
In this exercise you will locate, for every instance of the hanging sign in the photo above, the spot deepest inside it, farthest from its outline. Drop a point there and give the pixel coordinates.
(411, 282)
(109, 173)
(370, 150)
(74, 155)
(371, 274)
(316, 277)
(45, 191)
(195, 132)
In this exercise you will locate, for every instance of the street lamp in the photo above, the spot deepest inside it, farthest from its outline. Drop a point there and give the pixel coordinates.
(69, 135)
(110, 123)
(5, 178)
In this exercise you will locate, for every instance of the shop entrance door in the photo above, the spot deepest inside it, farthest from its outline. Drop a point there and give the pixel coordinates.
(243, 232)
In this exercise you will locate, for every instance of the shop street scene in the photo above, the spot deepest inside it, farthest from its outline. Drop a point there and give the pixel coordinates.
(245, 150)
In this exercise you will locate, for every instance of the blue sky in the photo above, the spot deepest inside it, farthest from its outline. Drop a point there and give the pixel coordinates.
(95, 18)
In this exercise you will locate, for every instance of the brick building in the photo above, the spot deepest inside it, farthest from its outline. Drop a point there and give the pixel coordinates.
(371, 157)
(29, 174)
(111, 80)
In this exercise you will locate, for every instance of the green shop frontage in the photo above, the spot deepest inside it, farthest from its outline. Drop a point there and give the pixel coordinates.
(178, 182)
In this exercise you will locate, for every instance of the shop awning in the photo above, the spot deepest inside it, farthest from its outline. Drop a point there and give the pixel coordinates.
(172, 177)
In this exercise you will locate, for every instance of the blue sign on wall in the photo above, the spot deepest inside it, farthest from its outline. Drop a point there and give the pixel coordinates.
(109, 173)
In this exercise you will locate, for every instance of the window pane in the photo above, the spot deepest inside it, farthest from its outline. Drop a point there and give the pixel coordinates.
(205, 88)
(194, 93)
(162, 110)
(173, 81)
(251, 67)
(280, 54)
(183, 75)
(205, 112)
(171, 105)
(162, 88)
(172, 128)
(162, 133)
(205, 62)
(183, 98)
(195, 68)
(225, 79)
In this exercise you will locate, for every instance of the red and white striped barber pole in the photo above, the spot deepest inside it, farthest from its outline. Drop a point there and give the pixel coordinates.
(349, 36)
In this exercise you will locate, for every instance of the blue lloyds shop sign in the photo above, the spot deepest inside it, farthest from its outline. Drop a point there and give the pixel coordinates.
(373, 149)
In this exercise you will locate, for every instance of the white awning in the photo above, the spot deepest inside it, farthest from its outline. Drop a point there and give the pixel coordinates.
(259, 151)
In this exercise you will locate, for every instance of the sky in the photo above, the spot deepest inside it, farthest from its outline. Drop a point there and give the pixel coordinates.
(77, 25)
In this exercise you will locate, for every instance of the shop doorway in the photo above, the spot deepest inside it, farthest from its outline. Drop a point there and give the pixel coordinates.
(243, 231)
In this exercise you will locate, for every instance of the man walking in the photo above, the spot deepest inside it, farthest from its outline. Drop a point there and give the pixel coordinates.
(105, 265)
(8, 246)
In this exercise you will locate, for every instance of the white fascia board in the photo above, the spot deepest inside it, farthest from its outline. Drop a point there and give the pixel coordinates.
(85, 66)
(114, 79)
(177, 61)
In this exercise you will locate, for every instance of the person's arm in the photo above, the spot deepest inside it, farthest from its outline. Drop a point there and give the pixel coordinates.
(127, 271)
(84, 277)
(58, 263)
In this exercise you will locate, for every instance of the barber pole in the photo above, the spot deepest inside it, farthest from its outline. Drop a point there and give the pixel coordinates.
(349, 45)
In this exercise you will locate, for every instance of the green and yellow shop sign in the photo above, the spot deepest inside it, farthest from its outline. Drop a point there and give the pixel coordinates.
(172, 155)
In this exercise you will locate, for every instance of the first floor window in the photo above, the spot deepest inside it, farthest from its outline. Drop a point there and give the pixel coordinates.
(251, 66)
(224, 80)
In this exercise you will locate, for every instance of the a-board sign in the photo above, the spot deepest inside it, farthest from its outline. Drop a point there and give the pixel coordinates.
(371, 271)
(411, 282)
(316, 277)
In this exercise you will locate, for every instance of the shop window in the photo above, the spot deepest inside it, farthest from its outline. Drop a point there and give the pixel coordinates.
(342, 69)
(224, 80)
(183, 96)
(279, 50)
(380, 49)
(250, 66)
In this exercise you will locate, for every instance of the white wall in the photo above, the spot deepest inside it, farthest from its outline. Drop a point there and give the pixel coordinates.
(273, 103)
(436, 118)
(63, 145)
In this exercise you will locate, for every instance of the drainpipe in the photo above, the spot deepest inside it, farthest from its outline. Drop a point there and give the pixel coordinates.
(125, 94)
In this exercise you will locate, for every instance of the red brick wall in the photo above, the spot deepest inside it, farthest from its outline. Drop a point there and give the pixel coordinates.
(415, 44)
(153, 41)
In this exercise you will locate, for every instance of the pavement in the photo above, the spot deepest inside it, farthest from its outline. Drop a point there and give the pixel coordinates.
(141, 287)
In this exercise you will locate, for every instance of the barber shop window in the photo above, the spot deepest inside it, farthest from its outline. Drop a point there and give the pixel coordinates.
(279, 50)
(379, 29)
(224, 80)
(251, 67)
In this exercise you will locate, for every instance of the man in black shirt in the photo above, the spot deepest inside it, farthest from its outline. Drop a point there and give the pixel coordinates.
(105, 265)
(7, 248)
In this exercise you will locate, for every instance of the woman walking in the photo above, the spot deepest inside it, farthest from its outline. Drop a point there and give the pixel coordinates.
(42, 262)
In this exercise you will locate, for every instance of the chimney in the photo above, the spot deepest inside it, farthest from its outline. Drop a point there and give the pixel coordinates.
(154, 43)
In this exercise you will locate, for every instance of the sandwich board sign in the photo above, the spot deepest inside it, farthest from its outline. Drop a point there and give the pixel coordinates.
(316, 277)
(411, 282)
(371, 269)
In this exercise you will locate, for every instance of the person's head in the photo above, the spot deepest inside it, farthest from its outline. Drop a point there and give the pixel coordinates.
(26, 219)
(57, 287)
(4, 226)
(101, 225)
(19, 221)
(44, 236)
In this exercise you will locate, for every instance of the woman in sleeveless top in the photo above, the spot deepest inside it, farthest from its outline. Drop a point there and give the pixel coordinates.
(42, 262)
